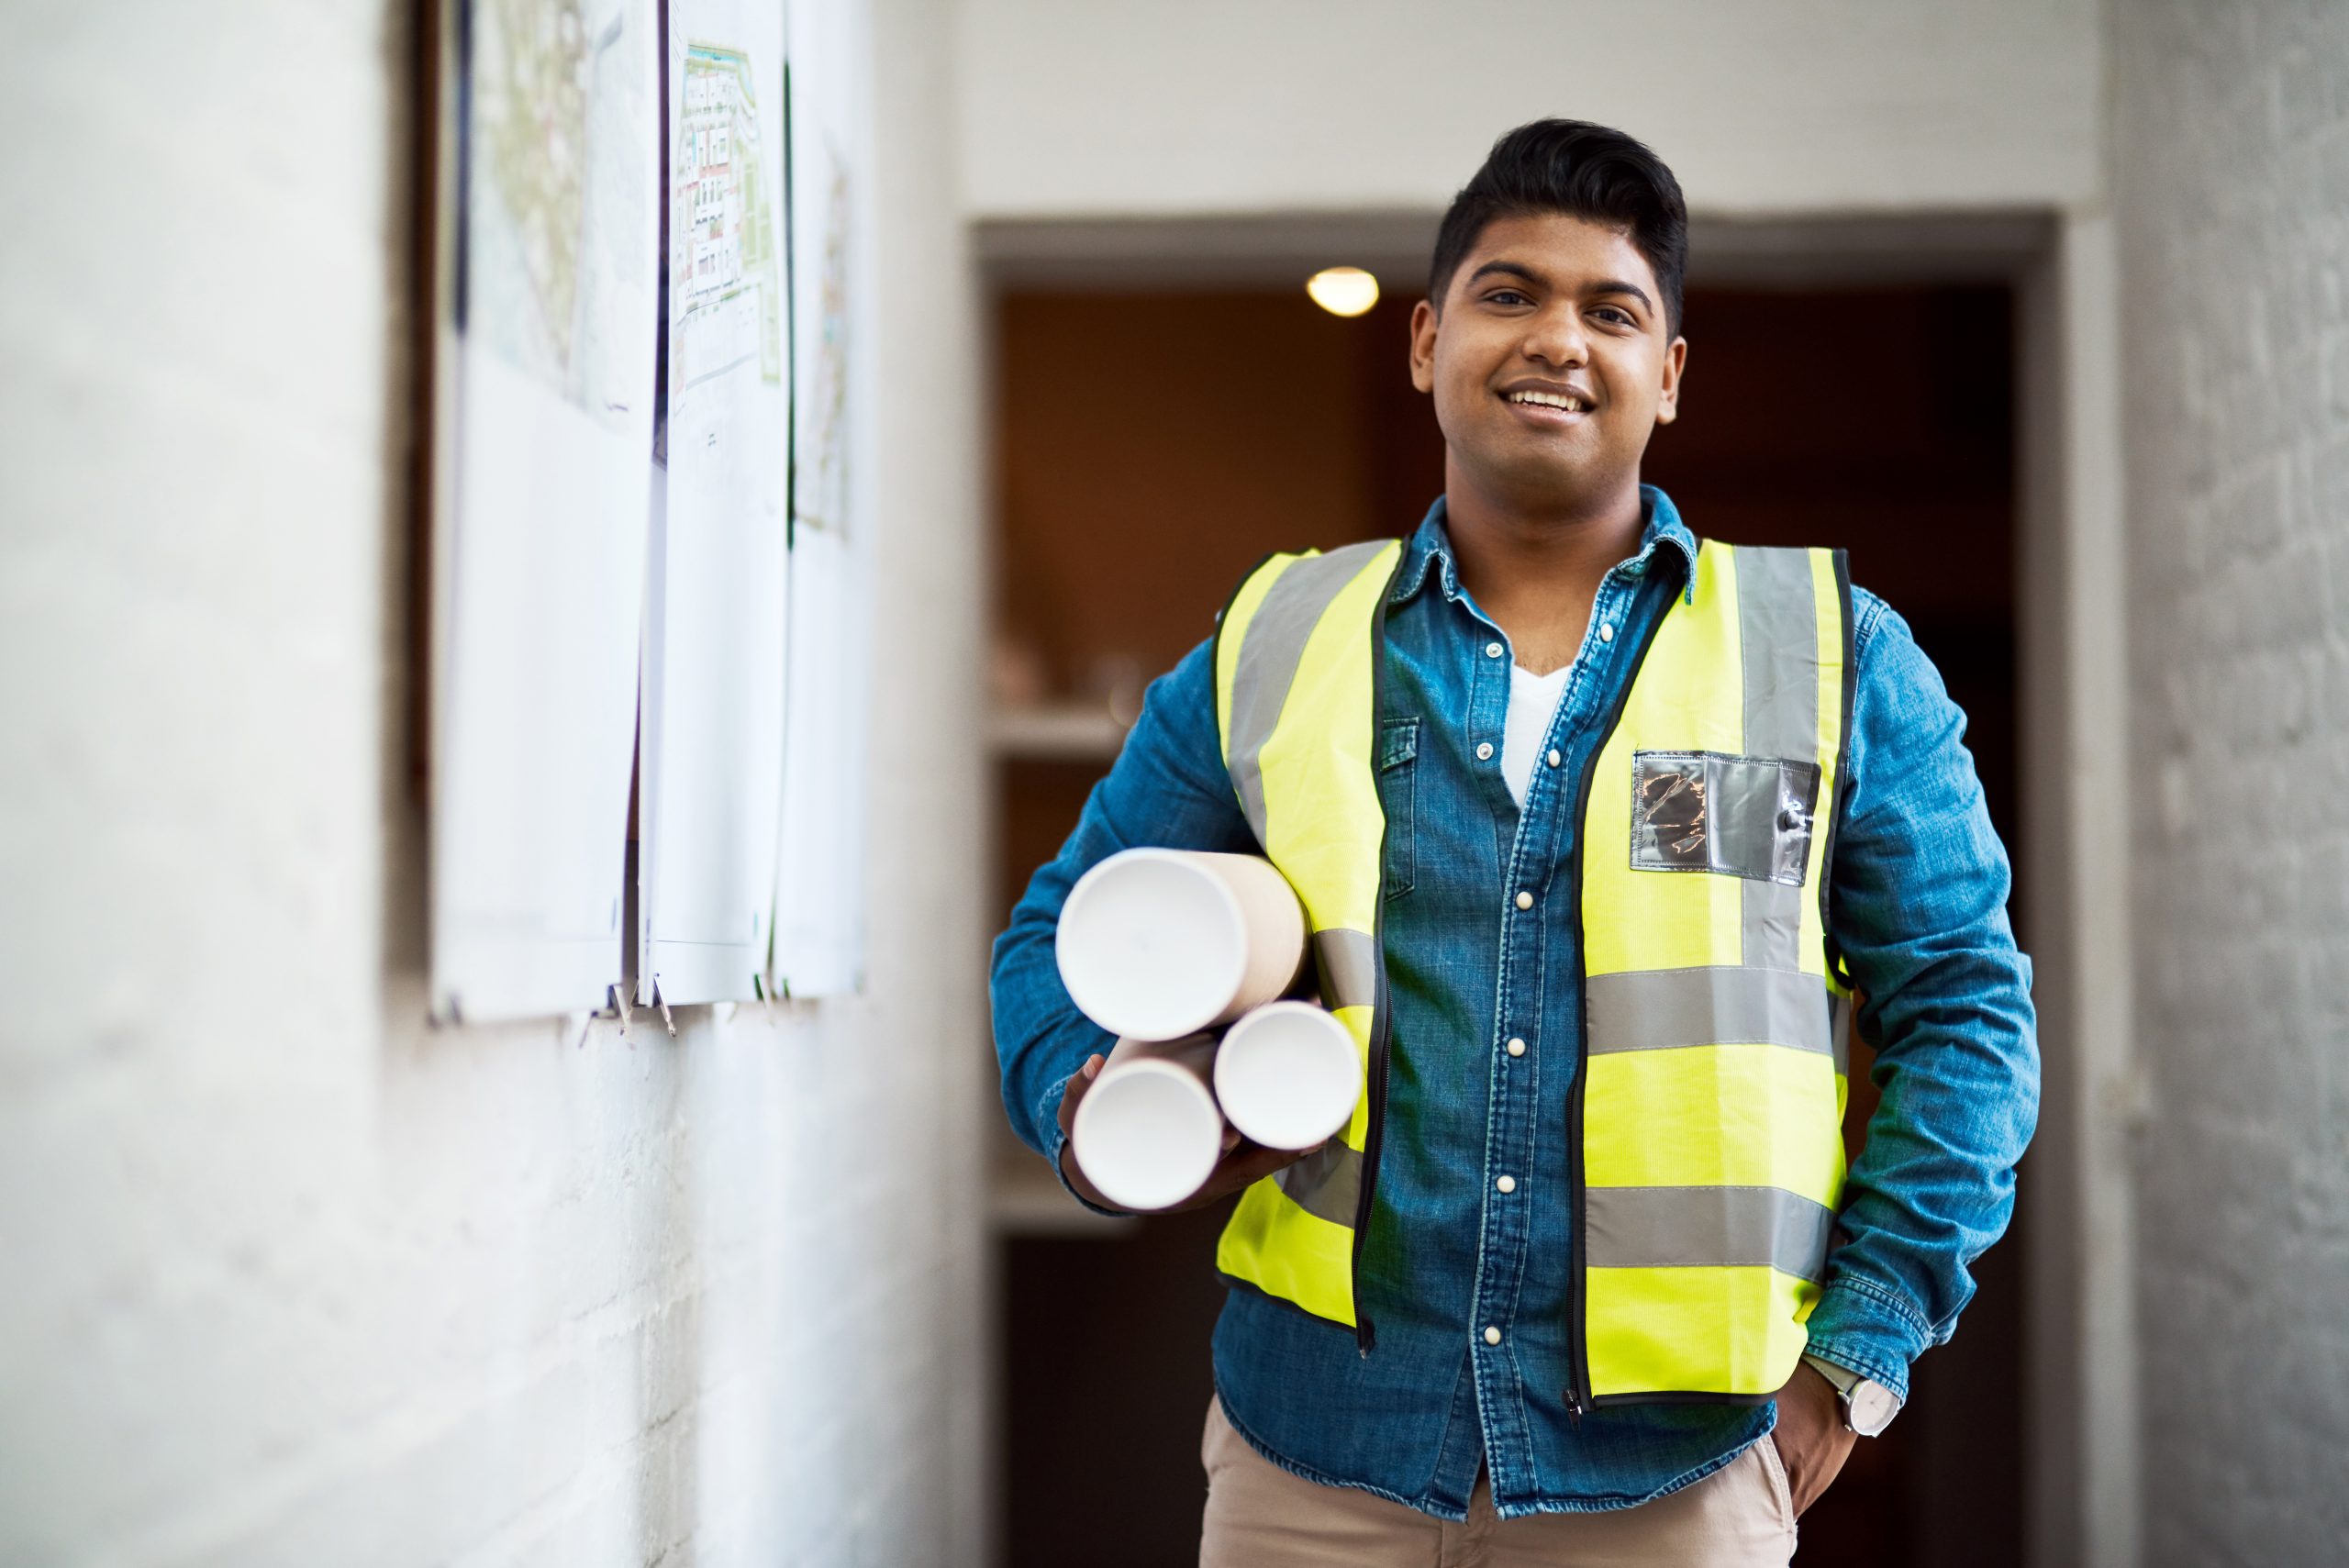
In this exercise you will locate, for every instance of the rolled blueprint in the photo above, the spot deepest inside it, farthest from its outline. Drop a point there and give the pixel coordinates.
(1155, 944)
(1148, 1133)
(1289, 1075)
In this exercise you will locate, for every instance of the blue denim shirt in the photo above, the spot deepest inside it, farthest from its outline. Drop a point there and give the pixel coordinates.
(1918, 905)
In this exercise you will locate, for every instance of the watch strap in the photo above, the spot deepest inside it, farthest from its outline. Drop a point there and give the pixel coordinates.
(1842, 1377)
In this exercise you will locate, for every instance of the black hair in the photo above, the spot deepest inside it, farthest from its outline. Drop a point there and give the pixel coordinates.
(1587, 171)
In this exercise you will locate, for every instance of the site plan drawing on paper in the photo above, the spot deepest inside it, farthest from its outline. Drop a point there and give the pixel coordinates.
(711, 758)
(729, 270)
(555, 276)
(544, 387)
(819, 488)
(820, 890)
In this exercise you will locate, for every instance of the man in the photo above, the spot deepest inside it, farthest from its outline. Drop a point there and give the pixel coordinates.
(1601, 832)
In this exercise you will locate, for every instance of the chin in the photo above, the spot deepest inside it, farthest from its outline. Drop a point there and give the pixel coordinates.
(1546, 477)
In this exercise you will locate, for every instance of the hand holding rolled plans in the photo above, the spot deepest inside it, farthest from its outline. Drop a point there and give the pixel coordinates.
(1187, 957)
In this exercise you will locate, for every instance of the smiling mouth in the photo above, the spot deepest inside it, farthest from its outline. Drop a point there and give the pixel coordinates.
(1549, 406)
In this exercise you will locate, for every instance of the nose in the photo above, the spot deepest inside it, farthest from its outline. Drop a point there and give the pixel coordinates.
(1557, 336)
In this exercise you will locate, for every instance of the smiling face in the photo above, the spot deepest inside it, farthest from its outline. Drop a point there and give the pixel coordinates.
(1550, 363)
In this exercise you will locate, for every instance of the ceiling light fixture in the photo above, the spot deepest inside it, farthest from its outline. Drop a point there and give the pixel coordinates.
(1342, 291)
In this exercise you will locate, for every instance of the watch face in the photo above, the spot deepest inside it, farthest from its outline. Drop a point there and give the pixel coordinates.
(1870, 1408)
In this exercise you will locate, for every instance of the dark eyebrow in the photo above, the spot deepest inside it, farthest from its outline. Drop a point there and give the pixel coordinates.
(1617, 285)
(1509, 268)
(1608, 286)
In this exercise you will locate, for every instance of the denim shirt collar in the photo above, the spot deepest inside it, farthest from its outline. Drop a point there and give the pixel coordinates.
(1430, 547)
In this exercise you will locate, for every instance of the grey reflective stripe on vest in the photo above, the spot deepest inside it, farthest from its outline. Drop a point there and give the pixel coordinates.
(1662, 1227)
(1348, 967)
(1270, 652)
(1777, 624)
(1658, 1010)
(1326, 1182)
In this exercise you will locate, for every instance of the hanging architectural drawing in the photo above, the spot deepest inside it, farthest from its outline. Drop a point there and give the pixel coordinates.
(543, 394)
(711, 745)
(820, 903)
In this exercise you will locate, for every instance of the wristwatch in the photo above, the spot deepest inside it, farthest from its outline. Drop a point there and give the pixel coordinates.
(1868, 1406)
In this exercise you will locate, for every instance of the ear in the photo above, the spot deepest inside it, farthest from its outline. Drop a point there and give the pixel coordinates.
(1675, 360)
(1423, 326)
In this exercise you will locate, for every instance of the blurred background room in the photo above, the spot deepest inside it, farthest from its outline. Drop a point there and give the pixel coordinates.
(332, 1240)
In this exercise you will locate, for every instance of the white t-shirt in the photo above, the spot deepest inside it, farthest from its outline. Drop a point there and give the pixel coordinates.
(1532, 701)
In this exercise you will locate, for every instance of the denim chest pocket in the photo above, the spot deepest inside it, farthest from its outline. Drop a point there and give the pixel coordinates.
(1748, 816)
(1398, 767)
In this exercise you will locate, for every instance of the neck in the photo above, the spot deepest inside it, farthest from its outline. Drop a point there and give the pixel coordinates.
(1535, 567)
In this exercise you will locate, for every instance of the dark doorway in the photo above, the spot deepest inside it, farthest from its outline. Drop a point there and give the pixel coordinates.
(1151, 447)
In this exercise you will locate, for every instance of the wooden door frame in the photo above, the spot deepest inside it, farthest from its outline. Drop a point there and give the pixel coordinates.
(2080, 1372)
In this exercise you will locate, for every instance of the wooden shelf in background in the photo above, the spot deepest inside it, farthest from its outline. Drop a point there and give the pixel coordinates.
(1027, 1199)
(1067, 732)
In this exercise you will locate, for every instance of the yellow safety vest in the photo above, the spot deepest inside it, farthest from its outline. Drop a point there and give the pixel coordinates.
(1707, 1110)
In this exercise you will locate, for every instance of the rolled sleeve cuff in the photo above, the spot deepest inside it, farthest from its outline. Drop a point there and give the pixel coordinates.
(1048, 1118)
(1867, 1330)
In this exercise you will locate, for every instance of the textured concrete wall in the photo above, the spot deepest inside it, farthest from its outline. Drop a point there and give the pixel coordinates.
(290, 1278)
(1072, 108)
(2232, 158)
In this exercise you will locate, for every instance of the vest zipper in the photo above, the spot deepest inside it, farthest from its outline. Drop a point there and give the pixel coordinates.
(1578, 1306)
(1365, 1335)
(1577, 1323)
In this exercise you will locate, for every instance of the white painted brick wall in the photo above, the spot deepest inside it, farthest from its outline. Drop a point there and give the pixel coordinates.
(286, 1278)
(2231, 161)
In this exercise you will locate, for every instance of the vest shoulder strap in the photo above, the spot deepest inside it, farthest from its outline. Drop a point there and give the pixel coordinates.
(1261, 642)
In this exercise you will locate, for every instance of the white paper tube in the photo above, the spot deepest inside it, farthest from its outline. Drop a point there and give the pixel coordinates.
(1148, 1133)
(1289, 1075)
(1155, 944)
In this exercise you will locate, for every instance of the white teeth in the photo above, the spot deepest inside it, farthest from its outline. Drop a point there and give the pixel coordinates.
(1547, 400)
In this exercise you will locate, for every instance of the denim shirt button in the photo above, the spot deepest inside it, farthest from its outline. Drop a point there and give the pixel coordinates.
(1492, 1336)
(1525, 900)
(1516, 1047)
(1484, 750)
(1554, 759)
(1605, 632)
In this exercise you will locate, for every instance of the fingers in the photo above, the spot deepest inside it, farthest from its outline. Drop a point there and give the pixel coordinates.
(1243, 1165)
(1259, 1161)
(1079, 1081)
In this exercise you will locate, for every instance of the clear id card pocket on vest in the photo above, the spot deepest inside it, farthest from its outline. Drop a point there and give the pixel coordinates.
(1737, 816)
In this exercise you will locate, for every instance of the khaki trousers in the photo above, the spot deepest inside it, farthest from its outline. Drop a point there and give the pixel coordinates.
(1260, 1515)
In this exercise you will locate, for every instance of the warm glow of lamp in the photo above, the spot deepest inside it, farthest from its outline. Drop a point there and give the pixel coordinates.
(1342, 291)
